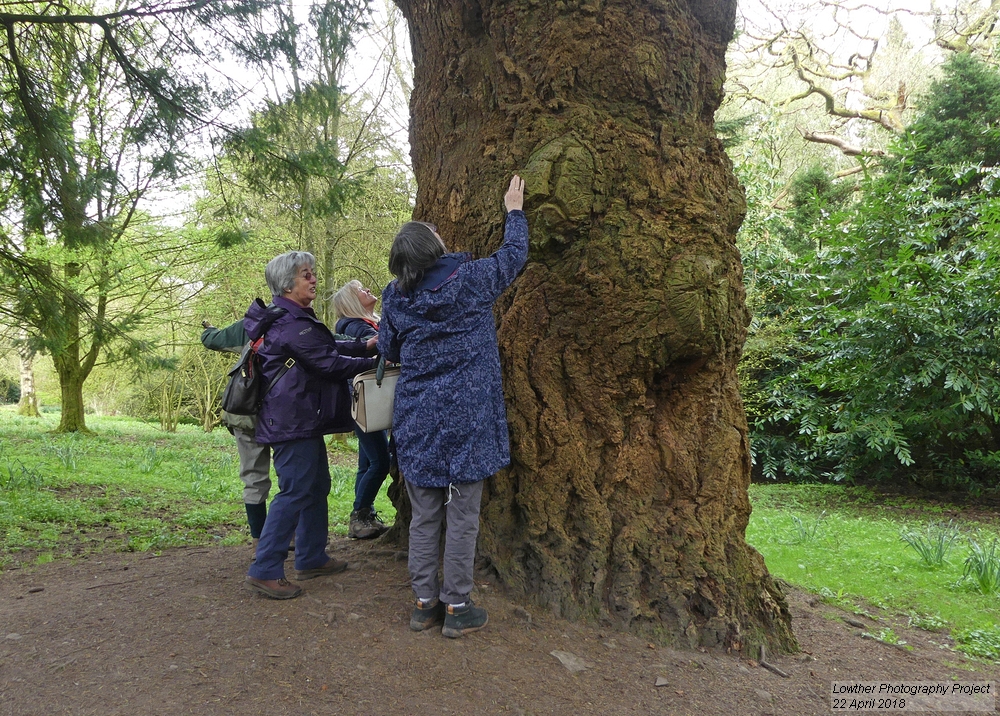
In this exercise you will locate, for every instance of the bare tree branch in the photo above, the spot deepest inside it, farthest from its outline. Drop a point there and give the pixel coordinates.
(967, 31)
(890, 118)
(857, 169)
(849, 149)
(138, 13)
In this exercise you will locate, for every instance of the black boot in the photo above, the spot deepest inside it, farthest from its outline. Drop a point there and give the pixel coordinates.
(256, 515)
(427, 614)
(464, 619)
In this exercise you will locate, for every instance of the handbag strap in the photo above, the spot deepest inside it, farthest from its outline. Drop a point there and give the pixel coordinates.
(273, 314)
(380, 371)
(281, 371)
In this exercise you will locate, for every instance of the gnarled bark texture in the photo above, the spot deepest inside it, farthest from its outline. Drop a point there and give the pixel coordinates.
(627, 496)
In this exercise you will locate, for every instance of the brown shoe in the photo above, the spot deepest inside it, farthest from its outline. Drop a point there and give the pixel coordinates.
(331, 567)
(253, 542)
(274, 588)
(365, 524)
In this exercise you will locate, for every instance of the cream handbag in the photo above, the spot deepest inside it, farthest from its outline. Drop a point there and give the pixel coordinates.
(373, 393)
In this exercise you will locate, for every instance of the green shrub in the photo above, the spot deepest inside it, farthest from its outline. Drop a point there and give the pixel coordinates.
(10, 389)
(872, 354)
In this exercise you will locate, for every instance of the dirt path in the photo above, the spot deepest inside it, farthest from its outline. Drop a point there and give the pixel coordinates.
(177, 634)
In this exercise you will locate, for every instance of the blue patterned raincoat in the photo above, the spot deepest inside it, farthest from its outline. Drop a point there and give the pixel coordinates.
(449, 418)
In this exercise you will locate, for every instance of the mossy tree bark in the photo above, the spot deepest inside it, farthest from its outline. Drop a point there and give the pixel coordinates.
(627, 496)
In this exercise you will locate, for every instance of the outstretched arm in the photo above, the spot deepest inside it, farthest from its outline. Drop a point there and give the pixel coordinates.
(496, 273)
(230, 339)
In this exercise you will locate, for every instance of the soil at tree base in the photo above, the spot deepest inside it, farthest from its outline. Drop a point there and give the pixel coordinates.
(129, 633)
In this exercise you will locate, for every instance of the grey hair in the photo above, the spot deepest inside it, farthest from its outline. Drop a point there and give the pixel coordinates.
(281, 271)
(347, 304)
(415, 249)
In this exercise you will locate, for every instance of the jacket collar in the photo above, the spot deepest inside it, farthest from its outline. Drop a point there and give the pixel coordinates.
(442, 272)
(295, 309)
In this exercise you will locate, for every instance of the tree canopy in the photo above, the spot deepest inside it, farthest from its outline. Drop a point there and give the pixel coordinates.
(875, 355)
(106, 114)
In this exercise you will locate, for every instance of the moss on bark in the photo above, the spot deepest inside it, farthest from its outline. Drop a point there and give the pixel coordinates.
(627, 496)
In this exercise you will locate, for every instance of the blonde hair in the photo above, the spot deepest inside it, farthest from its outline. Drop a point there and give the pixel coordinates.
(347, 304)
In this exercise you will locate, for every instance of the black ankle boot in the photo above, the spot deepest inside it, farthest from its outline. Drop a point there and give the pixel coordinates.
(464, 619)
(426, 614)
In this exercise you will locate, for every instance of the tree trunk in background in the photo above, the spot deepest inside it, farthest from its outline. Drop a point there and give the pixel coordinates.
(627, 496)
(73, 364)
(28, 403)
(72, 418)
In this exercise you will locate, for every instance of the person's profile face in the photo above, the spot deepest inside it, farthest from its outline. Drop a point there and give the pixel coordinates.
(367, 298)
(304, 289)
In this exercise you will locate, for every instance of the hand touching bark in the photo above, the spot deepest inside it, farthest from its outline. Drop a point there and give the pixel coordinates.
(514, 198)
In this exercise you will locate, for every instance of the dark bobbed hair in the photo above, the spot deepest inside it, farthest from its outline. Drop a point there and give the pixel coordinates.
(415, 249)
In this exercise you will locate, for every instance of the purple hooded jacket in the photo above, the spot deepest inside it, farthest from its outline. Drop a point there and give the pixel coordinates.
(311, 399)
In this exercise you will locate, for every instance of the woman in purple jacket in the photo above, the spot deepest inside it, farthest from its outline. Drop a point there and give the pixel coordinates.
(308, 401)
(448, 419)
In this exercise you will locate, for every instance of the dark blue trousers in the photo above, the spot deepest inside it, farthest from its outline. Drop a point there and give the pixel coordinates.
(373, 466)
(299, 508)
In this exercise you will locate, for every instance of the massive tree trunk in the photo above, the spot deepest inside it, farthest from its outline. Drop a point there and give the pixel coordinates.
(627, 496)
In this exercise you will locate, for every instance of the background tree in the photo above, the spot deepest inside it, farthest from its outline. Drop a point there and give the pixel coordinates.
(958, 126)
(627, 493)
(100, 113)
(82, 153)
(94, 114)
(888, 370)
(358, 177)
(27, 404)
(801, 68)
(968, 27)
(294, 152)
(846, 74)
(352, 232)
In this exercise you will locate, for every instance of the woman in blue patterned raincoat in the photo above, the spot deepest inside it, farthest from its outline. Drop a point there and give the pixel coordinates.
(449, 419)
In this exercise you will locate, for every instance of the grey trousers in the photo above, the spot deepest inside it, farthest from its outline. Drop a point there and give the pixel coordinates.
(429, 514)
(255, 467)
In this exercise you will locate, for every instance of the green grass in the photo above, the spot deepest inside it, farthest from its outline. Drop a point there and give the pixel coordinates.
(845, 543)
(132, 487)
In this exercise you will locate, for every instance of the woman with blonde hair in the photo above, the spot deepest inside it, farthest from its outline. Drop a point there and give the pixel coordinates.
(356, 317)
